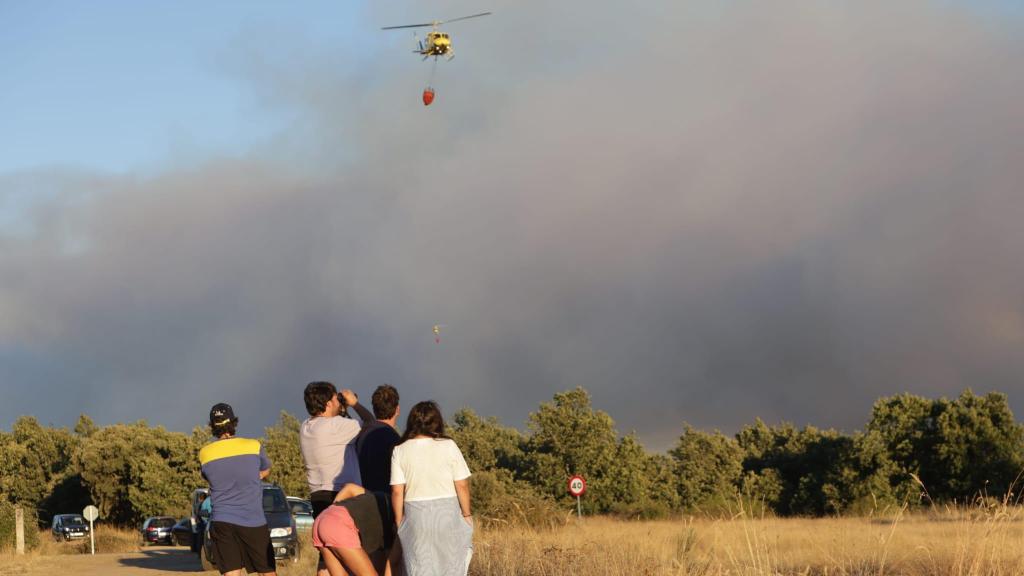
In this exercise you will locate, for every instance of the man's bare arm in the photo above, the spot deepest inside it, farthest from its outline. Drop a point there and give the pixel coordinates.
(351, 399)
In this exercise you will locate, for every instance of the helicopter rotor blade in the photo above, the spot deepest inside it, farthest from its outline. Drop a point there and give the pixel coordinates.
(410, 26)
(466, 17)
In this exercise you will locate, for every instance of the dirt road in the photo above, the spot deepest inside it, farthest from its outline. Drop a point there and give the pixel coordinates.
(150, 562)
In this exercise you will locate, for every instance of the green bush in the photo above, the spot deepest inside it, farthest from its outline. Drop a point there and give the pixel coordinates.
(642, 510)
(968, 449)
(498, 500)
(7, 528)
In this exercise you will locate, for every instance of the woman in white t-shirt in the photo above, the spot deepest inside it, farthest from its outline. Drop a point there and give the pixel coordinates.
(430, 496)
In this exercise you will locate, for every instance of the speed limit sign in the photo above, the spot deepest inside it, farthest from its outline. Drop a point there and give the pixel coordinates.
(577, 486)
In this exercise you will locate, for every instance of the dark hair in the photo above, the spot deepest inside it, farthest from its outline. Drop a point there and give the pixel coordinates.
(317, 395)
(424, 420)
(385, 401)
(224, 428)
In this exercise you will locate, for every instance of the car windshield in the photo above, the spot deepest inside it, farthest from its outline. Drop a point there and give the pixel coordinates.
(301, 508)
(162, 523)
(273, 500)
(73, 520)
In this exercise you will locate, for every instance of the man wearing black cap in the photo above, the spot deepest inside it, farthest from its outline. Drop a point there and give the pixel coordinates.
(235, 467)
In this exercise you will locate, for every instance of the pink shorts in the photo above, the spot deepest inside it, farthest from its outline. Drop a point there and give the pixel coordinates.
(334, 528)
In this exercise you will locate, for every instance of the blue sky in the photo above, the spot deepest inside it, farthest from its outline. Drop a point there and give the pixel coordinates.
(117, 86)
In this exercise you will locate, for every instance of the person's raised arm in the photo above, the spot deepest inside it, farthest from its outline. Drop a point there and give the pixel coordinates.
(352, 399)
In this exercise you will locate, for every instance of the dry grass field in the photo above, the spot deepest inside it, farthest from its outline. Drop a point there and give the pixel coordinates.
(949, 542)
(978, 541)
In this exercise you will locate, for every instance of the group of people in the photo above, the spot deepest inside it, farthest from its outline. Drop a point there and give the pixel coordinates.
(384, 502)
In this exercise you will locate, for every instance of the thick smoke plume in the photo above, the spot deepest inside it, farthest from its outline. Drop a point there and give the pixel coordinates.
(702, 214)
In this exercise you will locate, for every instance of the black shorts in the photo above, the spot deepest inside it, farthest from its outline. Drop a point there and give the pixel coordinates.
(236, 547)
(321, 500)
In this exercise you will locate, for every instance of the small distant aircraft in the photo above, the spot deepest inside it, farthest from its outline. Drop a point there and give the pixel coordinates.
(437, 43)
(437, 332)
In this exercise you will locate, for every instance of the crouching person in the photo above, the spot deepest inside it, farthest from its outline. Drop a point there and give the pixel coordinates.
(355, 533)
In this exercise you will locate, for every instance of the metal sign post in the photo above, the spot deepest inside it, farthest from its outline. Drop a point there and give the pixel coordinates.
(577, 487)
(91, 513)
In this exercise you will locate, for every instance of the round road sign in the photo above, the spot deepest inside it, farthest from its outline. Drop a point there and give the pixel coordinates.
(577, 485)
(91, 513)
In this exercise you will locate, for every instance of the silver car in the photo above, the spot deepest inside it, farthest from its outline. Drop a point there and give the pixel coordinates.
(302, 511)
(157, 530)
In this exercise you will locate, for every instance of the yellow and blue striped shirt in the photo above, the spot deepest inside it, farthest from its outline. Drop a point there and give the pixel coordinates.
(232, 466)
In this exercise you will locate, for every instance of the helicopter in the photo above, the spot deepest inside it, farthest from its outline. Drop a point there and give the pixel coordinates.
(437, 43)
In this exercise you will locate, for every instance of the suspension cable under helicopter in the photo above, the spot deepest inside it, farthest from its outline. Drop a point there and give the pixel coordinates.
(433, 71)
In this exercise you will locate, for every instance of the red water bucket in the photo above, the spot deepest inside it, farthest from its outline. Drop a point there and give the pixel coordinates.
(428, 96)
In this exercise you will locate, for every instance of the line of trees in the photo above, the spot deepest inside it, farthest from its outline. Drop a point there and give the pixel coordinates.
(950, 450)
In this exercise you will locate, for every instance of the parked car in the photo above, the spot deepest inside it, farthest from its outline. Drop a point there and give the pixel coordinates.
(157, 530)
(182, 532)
(302, 512)
(283, 537)
(69, 526)
(198, 519)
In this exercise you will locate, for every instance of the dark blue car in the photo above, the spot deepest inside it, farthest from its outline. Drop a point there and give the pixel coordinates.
(69, 527)
(279, 519)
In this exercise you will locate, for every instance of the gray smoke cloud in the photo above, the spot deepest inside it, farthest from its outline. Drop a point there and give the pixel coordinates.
(702, 214)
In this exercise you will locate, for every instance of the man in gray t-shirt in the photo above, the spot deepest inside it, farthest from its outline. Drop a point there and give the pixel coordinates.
(327, 440)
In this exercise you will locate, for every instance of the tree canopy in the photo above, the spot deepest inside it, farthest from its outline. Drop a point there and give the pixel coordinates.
(913, 450)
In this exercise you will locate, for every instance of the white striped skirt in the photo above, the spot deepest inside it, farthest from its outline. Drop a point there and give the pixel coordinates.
(436, 539)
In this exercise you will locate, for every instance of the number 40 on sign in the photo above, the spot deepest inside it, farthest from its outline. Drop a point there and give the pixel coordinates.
(577, 487)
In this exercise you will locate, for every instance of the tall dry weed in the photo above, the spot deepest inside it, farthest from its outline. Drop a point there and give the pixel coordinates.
(108, 540)
(982, 539)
